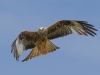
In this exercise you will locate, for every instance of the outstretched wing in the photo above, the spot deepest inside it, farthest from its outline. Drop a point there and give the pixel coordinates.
(25, 40)
(63, 28)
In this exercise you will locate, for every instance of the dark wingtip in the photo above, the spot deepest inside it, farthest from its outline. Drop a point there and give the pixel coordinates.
(96, 30)
(22, 60)
(58, 47)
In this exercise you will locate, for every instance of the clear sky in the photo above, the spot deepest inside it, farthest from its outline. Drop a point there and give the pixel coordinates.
(78, 55)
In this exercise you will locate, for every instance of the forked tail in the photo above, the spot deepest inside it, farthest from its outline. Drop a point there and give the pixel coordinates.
(41, 50)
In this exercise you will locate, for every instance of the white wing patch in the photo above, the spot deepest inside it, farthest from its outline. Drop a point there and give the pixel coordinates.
(78, 26)
(19, 46)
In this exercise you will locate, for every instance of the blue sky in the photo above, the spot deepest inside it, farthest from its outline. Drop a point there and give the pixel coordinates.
(78, 55)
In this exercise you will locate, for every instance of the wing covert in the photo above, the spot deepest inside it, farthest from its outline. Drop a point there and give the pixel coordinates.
(25, 40)
(64, 28)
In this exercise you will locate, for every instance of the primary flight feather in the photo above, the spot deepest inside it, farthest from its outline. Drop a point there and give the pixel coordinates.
(39, 41)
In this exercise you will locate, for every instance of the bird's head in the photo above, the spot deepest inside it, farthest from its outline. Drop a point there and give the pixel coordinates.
(41, 28)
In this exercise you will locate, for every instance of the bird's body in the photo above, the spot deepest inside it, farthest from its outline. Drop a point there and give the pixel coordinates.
(39, 41)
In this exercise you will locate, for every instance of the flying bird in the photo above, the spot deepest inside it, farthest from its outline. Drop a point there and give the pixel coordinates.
(39, 41)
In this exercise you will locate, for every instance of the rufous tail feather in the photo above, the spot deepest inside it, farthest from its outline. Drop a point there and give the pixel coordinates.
(41, 50)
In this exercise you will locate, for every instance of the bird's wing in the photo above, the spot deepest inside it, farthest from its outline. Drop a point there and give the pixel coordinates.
(25, 40)
(63, 28)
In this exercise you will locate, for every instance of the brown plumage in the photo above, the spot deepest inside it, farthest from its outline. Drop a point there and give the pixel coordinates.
(39, 41)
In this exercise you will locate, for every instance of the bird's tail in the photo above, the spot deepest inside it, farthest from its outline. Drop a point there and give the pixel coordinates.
(49, 47)
(42, 49)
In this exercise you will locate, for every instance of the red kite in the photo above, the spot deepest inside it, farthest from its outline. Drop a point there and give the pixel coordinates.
(39, 41)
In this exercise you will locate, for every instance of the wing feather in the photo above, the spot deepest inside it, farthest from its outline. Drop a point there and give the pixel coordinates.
(25, 40)
(87, 29)
(77, 30)
(63, 28)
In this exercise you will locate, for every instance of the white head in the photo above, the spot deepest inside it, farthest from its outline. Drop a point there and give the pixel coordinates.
(41, 28)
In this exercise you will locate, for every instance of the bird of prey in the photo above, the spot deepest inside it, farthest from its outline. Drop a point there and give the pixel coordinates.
(39, 41)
